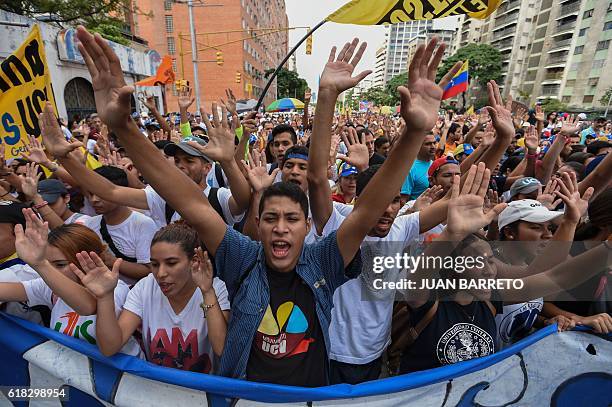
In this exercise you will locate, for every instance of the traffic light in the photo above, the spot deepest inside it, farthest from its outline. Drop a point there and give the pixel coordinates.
(182, 85)
(238, 77)
(309, 45)
(220, 58)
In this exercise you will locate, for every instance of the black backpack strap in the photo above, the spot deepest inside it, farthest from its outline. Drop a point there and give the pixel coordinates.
(169, 211)
(213, 198)
(272, 168)
(111, 245)
(219, 176)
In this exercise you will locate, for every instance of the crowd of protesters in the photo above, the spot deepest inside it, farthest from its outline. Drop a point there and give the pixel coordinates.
(241, 245)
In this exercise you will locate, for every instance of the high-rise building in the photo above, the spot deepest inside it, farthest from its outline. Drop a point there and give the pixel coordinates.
(380, 66)
(400, 36)
(250, 34)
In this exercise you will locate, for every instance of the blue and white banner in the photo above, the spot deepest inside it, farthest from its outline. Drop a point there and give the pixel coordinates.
(566, 369)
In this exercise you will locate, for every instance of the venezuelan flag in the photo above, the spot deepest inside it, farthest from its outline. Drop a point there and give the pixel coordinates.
(458, 84)
(383, 12)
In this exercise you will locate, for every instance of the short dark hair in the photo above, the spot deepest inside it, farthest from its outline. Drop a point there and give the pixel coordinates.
(115, 175)
(595, 146)
(295, 150)
(363, 132)
(579, 157)
(379, 142)
(286, 189)
(178, 233)
(365, 176)
(284, 128)
(161, 144)
(453, 127)
(578, 169)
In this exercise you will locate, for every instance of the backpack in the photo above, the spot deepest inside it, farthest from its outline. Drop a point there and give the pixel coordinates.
(111, 245)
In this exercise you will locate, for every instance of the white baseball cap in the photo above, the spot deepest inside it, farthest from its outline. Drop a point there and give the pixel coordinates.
(582, 116)
(528, 210)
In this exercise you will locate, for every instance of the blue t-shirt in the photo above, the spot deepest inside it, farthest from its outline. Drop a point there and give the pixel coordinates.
(417, 180)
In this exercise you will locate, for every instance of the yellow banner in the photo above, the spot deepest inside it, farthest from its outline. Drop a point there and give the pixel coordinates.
(25, 86)
(382, 12)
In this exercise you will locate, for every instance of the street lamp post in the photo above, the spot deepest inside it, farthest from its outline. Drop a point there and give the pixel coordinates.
(194, 54)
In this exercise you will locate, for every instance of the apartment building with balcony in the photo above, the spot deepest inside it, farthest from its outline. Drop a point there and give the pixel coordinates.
(381, 66)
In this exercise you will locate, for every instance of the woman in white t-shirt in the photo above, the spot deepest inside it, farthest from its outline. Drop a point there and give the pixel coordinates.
(182, 309)
(53, 256)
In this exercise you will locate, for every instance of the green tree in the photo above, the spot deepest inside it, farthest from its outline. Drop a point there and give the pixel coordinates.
(289, 84)
(351, 101)
(485, 63)
(392, 86)
(553, 105)
(379, 95)
(605, 99)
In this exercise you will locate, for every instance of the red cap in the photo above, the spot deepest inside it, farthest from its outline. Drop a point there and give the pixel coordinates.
(439, 163)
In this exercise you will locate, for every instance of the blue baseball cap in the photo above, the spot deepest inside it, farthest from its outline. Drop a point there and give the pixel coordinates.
(346, 170)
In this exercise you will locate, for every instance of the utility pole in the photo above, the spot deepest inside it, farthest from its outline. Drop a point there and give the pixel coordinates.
(194, 55)
(608, 106)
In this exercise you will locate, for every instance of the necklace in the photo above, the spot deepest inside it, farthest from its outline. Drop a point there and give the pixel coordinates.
(468, 316)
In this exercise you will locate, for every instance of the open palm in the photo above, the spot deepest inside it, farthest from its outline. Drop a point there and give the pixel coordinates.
(338, 73)
(94, 274)
(53, 137)
(111, 93)
(257, 172)
(221, 136)
(31, 244)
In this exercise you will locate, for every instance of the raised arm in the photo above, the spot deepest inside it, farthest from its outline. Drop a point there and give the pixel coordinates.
(31, 246)
(420, 102)
(150, 104)
(113, 104)
(335, 79)
(599, 178)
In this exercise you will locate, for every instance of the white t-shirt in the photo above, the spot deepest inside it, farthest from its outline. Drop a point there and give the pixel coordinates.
(16, 273)
(79, 218)
(360, 328)
(157, 206)
(516, 321)
(171, 340)
(65, 320)
(132, 237)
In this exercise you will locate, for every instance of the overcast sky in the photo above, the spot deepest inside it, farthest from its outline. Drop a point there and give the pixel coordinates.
(309, 13)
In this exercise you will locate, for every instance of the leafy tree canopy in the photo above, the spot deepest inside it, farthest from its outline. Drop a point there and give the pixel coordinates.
(289, 84)
(485, 62)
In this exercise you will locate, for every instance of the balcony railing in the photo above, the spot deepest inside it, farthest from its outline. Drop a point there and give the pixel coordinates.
(557, 59)
(499, 21)
(504, 32)
(553, 76)
(550, 90)
(562, 43)
(503, 44)
(509, 5)
(569, 8)
(565, 27)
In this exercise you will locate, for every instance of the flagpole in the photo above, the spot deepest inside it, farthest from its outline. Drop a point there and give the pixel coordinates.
(284, 61)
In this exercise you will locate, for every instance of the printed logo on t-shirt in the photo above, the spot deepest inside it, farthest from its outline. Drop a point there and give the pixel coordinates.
(72, 328)
(180, 353)
(284, 335)
(464, 342)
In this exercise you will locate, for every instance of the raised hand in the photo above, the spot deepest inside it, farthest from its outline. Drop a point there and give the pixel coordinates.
(357, 155)
(202, 271)
(531, 139)
(539, 113)
(34, 152)
(29, 184)
(231, 102)
(53, 137)
(421, 97)
(221, 136)
(257, 172)
(337, 74)
(500, 113)
(31, 244)
(110, 90)
(429, 196)
(185, 98)
(149, 102)
(307, 96)
(304, 139)
(95, 276)
(570, 126)
(575, 205)
(466, 212)
(548, 195)
(102, 144)
(249, 124)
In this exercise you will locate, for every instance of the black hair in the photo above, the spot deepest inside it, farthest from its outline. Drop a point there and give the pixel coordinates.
(284, 128)
(161, 144)
(510, 164)
(295, 150)
(115, 175)
(600, 216)
(363, 132)
(364, 177)
(285, 189)
(178, 233)
(453, 128)
(579, 157)
(578, 169)
(379, 142)
(595, 146)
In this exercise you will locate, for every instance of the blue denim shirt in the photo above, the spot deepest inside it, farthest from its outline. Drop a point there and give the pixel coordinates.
(240, 263)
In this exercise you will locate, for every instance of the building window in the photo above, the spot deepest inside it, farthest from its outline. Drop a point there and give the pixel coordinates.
(570, 83)
(608, 26)
(593, 81)
(168, 5)
(171, 45)
(574, 66)
(578, 50)
(587, 99)
(601, 45)
(174, 68)
(588, 14)
(566, 99)
(582, 32)
(169, 24)
(599, 63)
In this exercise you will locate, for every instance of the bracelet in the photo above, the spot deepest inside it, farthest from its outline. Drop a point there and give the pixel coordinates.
(206, 307)
(41, 205)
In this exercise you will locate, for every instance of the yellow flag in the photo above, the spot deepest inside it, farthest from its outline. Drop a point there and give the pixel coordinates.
(25, 86)
(379, 12)
(470, 110)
